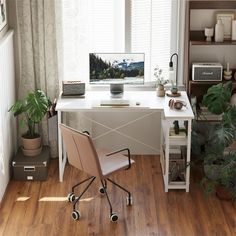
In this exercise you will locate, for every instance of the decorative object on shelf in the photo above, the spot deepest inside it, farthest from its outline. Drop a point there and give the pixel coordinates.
(174, 88)
(160, 82)
(226, 19)
(209, 32)
(227, 73)
(176, 104)
(3, 14)
(219, 31)
(233, 30)
(34, 107)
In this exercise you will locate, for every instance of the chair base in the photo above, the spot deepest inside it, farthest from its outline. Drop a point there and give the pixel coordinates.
(103, 190)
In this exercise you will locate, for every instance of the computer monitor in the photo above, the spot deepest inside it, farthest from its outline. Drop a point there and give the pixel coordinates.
(116, 69)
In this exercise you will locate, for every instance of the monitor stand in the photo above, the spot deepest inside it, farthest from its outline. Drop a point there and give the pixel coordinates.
(116, 90)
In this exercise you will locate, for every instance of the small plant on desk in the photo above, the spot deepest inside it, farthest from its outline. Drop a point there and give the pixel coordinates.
(160, 82)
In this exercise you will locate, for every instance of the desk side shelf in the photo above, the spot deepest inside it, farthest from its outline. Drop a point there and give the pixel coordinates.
(173, 157)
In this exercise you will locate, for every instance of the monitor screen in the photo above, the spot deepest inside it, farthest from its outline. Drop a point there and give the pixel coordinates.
(123, 68)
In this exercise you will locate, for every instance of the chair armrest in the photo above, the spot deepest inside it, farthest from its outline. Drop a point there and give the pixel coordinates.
(121, 150)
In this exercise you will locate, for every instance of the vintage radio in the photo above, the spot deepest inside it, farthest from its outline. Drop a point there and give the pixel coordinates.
(207, 71)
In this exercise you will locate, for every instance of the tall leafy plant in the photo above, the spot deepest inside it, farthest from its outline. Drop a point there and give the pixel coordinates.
(221, 135)
(34, 108)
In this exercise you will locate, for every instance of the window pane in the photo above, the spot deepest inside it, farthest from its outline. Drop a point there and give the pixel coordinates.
(151, 27)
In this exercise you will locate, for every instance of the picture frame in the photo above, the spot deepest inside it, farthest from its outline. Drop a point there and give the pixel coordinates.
(3, 15)
(226, 18)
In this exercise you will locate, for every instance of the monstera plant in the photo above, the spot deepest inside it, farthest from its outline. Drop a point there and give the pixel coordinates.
(220, 163)
(32, 110)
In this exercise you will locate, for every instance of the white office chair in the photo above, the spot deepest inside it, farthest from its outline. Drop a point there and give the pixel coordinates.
(99, 164)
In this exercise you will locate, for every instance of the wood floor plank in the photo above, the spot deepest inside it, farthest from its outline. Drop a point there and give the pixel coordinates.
(40, 208)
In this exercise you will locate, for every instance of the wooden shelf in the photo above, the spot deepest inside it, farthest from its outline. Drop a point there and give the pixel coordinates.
(197, 37)
(210, 82)
(212, 5)
(228, 42)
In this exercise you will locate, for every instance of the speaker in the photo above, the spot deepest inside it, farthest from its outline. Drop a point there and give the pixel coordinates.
(70, 88)
(116, 90)
(207, 71)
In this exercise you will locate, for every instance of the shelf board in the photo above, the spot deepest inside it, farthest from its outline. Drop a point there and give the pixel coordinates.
(210, 82)
(205, 43)
(212, 5)
(197, 37)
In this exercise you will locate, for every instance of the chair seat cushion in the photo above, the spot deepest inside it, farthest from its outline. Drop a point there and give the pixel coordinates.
(110, 164)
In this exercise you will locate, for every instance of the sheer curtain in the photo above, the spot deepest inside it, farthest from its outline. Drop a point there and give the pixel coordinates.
(39, 42)
(101, 26)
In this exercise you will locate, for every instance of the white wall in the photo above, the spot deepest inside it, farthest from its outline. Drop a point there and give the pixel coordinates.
(7, 98)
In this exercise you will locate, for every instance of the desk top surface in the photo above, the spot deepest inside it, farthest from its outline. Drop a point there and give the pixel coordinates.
(147, 100)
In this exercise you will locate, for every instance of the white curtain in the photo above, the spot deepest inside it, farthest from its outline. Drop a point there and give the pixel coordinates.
(39, 42)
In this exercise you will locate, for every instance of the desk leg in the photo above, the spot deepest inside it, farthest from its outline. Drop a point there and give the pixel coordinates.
(60, 159)
(188, 154)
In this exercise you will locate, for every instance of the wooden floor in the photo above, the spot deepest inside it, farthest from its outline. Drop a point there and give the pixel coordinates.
(40, 208)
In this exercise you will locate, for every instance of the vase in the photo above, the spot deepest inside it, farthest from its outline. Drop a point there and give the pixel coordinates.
(219, 31)
(160, 90)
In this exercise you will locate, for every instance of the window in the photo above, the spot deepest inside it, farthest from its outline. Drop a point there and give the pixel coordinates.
(118, 26)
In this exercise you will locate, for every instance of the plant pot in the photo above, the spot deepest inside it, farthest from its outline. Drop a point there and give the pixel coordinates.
(223, 194)
(31, 146)
(174, 90)
(212, 171)
(160, 90)
(31, 152)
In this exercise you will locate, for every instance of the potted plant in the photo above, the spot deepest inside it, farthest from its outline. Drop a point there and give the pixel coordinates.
(34, 108)
(160, 82)
(220, 164)
(174, 88)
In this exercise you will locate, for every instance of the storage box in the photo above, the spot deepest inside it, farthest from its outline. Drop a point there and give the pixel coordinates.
(31, 168)
(73, 88)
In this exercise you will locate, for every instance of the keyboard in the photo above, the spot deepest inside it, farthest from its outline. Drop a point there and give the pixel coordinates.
(114, 102)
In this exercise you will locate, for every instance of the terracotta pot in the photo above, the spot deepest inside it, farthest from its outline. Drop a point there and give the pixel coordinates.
(223, 194)
(31, 146)
(31, 152)
(31, 143)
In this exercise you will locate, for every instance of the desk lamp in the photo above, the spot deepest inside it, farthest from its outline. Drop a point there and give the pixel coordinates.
(174, 89)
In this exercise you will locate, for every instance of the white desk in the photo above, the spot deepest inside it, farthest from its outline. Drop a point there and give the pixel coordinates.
(149, 102)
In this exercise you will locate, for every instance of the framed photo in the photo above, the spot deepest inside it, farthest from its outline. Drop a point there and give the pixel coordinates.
(226, 19)
(3, 14)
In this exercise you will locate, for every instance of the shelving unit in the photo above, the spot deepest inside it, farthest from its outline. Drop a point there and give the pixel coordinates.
(174, 158)
(176, 149)
(212, 50)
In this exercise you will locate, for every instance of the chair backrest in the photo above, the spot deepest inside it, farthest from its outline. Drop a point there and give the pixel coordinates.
(80, 151)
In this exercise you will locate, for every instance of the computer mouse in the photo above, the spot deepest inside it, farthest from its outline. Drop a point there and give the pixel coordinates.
(137, 103)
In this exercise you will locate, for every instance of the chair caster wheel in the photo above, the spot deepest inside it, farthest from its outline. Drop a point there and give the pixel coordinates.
(114, 217)
(75, 215)
(129, 201)
(101, 191)
(71, 197)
